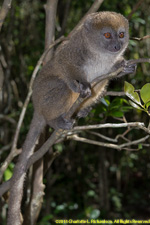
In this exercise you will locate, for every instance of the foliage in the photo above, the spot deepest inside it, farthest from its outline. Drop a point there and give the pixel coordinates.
(141, 99)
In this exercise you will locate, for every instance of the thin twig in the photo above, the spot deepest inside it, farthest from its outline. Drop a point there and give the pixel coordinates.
(123, 135)
(108, 145)
(103, 136)
(141, 60)
(135, 142)
(88, 141)
(107, 76)
(140, 39)
(118, 71)
(111, 125)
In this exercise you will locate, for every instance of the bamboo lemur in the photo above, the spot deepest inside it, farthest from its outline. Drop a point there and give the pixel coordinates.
(96, 48)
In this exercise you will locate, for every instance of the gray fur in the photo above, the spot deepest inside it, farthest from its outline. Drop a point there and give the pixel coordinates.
(76, 63)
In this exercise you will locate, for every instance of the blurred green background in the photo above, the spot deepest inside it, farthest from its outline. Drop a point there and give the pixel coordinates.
(85, 181)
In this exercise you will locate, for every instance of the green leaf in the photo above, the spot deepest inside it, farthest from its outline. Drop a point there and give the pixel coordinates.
(135, 105)
(147, 105)
(9, 172)
(145, 93)
(117, 114)
(130, 92)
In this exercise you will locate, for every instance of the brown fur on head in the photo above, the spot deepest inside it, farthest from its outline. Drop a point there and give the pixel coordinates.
(100, 20)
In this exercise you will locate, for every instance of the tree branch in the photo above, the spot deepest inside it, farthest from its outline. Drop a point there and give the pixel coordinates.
(75, 137)
(135, 142)
(50, 9)
(5, 187)
(96, 5)
(37, 186)
(56, 135)
(140, 39)
(4, 10)
(103, 136)
(108, 145)
(113, 125)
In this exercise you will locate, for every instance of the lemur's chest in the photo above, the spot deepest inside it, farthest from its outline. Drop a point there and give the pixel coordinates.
(98, 66)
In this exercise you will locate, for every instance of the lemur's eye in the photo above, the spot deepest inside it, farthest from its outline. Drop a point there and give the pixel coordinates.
(107, 35)
(121, 35)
